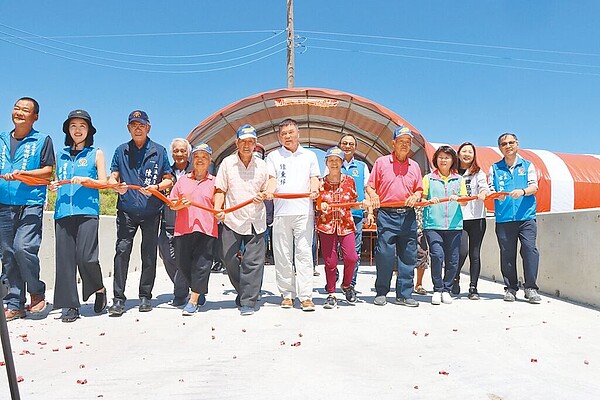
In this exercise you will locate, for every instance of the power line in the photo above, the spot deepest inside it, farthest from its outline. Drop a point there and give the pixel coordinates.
(34, 36)
(454, 52)
(453, 43)
(116, 35)
(453, 61)
(144, 70)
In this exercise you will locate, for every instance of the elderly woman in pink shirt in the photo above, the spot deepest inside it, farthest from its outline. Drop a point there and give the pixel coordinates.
(195, 229)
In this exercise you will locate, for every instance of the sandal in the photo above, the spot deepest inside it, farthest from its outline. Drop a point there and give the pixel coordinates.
(420, 290)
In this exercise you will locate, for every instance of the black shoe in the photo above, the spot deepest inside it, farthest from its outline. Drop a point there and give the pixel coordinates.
(456, 287)
(100, 303)
(218, 267)
(117, 309)
(473, 294)
(178, 301)
(70, 315)
(145, 305)
(350, 294)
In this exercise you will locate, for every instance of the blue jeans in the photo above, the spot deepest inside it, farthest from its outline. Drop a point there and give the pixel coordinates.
(20, 239)
(358, 222)
(444, 249)
(396, 247)
(507, 234)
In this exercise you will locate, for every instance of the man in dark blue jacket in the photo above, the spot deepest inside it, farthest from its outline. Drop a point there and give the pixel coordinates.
(145, 163)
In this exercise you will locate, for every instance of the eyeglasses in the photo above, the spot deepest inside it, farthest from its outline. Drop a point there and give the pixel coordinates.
(510, 143)
(351, 144)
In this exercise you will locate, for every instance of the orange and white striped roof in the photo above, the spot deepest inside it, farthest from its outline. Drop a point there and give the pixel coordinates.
(566, 181)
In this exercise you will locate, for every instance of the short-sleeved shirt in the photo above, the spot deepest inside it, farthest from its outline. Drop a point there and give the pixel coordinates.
(194, 219)
(241, 183)
(393, 180)
(336, 219)
(293, 172)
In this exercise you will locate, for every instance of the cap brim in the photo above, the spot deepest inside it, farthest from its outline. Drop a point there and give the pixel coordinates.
(140, 120)
(247, 136)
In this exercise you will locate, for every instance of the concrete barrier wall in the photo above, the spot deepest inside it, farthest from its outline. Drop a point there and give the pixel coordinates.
(569, 255)
(107, 234)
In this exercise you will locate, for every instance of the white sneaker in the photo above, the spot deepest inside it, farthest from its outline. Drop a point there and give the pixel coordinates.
(446, 298)
(436, 299)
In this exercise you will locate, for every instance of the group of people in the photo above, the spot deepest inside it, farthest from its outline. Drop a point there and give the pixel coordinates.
(230, 205)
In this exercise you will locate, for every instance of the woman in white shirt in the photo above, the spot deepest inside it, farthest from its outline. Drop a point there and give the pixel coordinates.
(473, 217)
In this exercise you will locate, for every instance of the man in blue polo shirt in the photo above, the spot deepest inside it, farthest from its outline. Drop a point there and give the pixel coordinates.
(23, 151)
(516, 217)
(145, 163)
(359, 171)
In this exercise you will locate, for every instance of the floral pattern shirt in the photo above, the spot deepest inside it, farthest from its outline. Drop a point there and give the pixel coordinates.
(336, 219)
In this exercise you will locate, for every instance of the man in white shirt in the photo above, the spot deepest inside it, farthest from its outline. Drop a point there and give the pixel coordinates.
(293, 169)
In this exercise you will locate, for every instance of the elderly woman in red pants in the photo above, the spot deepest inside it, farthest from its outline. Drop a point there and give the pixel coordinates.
(336, 226)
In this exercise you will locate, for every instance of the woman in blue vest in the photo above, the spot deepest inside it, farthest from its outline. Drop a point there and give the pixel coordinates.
(76, 217)
(443, 222)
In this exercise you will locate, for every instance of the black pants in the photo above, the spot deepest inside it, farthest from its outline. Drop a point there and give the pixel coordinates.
(76, 248)
(470, 244)
(194, 255)
(127, 226)
(166, 251)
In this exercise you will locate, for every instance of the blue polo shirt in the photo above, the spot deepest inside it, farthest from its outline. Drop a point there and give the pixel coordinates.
(143, 167)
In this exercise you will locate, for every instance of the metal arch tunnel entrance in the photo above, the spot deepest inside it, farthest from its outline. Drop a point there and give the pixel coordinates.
(567, 181)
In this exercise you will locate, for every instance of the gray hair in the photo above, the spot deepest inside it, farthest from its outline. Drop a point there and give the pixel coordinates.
(189, 146)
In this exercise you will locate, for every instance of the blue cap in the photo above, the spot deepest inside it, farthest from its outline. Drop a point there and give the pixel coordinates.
(202, 147)
(139, 116)
(246, 131)
(402, 130)
(335, 151)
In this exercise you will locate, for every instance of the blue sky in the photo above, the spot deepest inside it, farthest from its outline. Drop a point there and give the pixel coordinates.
(461, 70)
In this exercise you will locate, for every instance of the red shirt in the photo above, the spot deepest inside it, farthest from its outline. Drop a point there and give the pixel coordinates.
(393, 180)
(337, 220)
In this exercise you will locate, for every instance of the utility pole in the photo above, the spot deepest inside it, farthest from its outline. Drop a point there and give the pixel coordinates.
(290, 44)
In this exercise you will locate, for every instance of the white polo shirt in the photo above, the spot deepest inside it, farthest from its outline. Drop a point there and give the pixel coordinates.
(293, 172)
(241, 183)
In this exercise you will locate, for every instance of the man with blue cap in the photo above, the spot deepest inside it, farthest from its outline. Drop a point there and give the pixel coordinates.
(142, 162)
(242, 177)
(396, 178)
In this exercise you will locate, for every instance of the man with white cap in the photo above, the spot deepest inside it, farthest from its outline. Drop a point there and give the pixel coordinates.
(396, 178)
(241, 177)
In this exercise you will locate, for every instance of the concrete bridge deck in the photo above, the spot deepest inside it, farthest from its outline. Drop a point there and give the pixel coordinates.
(486, 349)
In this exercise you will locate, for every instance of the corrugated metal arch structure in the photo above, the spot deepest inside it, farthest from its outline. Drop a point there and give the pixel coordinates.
(566, 182)
(322, 114)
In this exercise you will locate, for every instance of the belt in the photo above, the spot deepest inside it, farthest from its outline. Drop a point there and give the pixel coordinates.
(397, 210)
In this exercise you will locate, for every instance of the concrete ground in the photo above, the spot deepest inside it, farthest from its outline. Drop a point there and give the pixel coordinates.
(486, 349)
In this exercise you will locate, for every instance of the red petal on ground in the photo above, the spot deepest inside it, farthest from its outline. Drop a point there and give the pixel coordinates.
(102, 333)
(213, 337)
(81, 365)
(2, 363)
(416, 386)
(282, 343)
(42, 343)
(68, 347)
(54, 349)
(443, 373)
(415, 333)
(586, 362)
(296, 344)
(20, 378)
(426, 334)
(243, 330)
(454, 330)
(534, 360)
(300, 334)
(82, 381)
(212, 328)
